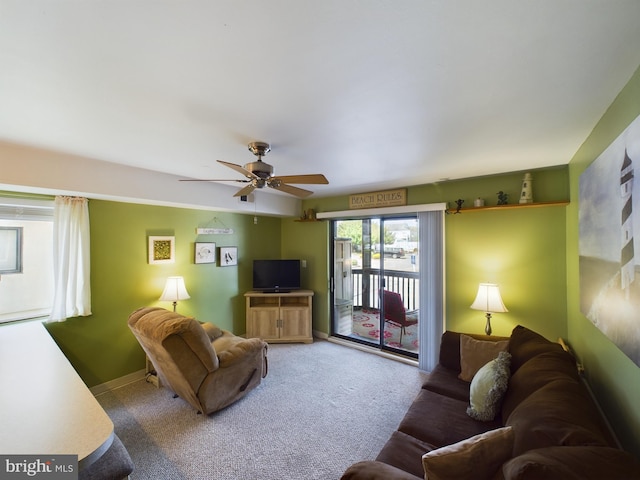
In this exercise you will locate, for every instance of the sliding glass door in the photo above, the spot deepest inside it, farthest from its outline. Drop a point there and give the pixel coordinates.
(375, 282)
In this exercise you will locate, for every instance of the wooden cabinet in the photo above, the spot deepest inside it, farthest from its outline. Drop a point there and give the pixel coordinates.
(280, 317)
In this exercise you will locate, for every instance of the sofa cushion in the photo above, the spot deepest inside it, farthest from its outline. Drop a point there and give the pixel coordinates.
(572, 463)
(525, 344)
(474, 354)
(476, 458)
(405, 452)
(445, 381)
(559, 413)
(536, 373)
(488, 387)
(449, 355)
(440, 420)
(373, 470)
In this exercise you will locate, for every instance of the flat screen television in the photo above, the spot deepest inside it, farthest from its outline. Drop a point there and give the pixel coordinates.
(276, 276)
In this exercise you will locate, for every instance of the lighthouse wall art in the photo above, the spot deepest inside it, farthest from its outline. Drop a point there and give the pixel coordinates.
(609, 216)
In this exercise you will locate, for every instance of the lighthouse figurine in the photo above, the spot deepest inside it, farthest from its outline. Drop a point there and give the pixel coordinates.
(526, 196)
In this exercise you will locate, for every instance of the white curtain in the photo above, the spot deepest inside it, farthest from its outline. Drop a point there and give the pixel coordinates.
(431, 324)
(72, 289)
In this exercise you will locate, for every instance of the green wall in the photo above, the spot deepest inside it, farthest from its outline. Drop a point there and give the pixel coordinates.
(101, 346)
(308, 241)
(614, 378)
(521, 249)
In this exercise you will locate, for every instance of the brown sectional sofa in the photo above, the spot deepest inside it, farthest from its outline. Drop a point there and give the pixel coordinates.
(547, 425)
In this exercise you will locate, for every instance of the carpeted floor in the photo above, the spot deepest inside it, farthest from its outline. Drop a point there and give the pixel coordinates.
(321, 408)
(366, 325)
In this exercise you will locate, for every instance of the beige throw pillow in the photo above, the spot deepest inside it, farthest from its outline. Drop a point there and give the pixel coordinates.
(476, 458)
(488, 387)
(475, 354)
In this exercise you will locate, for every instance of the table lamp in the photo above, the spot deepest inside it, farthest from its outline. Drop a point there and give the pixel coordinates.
(489, 301)
(174, 290)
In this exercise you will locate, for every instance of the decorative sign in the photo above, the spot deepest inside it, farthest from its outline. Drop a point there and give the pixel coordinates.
(386, 198)
(214, 231)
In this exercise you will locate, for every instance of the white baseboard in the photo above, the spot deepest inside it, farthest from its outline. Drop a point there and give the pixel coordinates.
(118, 382)
(319, 334)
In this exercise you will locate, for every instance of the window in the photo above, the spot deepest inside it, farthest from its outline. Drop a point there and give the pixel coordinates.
(28, 294)
(375, 258)
(429, 264)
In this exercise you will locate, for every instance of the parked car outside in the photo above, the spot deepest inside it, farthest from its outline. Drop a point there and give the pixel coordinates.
(393, 252)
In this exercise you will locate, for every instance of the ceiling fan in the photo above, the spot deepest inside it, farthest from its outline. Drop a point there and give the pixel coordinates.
(258, 174)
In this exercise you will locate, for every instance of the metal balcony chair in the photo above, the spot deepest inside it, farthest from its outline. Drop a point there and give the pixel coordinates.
(395, 313)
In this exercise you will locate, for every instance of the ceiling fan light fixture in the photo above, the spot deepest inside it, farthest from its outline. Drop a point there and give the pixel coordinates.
(259, 149)
(260, 169)
(259, 174)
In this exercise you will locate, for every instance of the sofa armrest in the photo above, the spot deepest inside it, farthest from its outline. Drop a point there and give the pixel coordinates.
(238, 350)
(212, 331)
(372, 470)
(450, 351)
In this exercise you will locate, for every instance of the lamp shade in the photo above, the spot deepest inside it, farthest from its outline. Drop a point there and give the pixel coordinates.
(488, 299)
(174, 290)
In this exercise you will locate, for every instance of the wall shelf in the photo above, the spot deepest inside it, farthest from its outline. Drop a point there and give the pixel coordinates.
(510, 206)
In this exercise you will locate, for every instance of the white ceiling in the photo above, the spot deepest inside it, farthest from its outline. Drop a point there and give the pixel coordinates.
(374, 94)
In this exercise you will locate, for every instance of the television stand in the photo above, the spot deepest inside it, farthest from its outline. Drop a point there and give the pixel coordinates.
(280, 317)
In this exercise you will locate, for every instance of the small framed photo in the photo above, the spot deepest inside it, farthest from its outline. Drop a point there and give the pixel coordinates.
(205, 252)
(228, 256)
(10, 250)
(162, 250)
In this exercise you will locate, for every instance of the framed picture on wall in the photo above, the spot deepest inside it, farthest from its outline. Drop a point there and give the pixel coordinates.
(205, 252)
(608, 248)
(162, 250)
(228, 256)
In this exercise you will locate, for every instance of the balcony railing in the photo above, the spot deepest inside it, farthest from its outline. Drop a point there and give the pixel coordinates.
(367, 284)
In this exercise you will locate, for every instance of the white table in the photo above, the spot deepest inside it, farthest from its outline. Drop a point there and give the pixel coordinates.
(45, 407)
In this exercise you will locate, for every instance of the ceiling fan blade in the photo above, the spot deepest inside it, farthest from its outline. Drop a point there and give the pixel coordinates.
(245, 191)
(212, 180)
(238, 169)
(308, 179)
(283, 187)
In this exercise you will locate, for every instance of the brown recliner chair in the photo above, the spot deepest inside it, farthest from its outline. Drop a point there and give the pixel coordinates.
(208, 367)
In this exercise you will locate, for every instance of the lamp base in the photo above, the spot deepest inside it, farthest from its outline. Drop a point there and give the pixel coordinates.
(487, 328)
